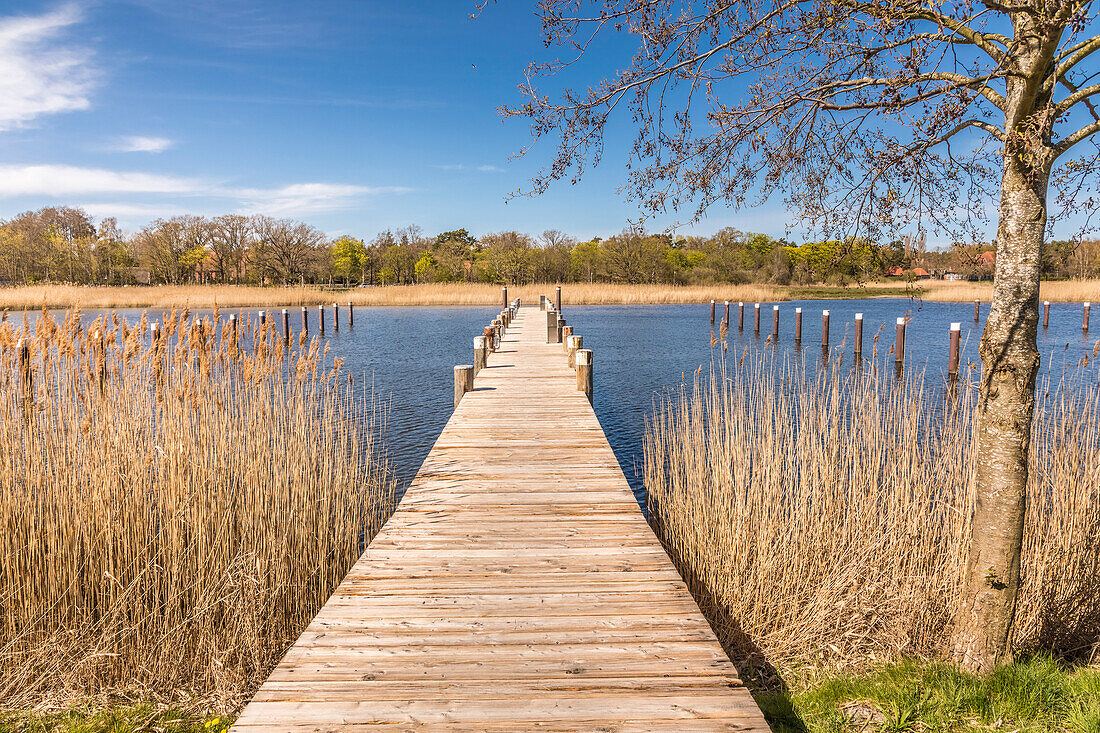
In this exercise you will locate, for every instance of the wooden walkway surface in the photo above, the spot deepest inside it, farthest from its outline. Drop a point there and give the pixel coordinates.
(517, 587)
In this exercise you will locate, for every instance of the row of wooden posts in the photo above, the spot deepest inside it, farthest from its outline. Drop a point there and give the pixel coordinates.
(557, 331)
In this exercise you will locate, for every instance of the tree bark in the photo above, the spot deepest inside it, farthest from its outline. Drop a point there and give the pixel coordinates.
(981, 636)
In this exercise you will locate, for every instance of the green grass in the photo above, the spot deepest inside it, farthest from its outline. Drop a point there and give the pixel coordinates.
(1034, 695)
(136, 718)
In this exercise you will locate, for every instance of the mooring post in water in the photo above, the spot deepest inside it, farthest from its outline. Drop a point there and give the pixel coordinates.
(825, 329)
(286, 326)
(321, 319)
(1085, 322)
(263, 318)
(557, 300)
(305, 320)
(1046, 313)
(464, 381)
(899, 342)
(24, 350)
(859, 339)
(977, 305)
(575, 344)
(566, 334)
(712, 311)
(726, 317)
(335, 317)
(798, 325)
(756, 318)
(741, 315)
(351, 316)
(584, 372)
(479, 354)
(775, 324)
(953, 352)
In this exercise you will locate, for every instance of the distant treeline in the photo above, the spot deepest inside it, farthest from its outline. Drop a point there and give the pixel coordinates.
(66, 245)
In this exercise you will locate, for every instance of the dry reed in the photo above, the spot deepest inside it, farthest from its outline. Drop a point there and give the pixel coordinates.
(821, 518)
(172, 513)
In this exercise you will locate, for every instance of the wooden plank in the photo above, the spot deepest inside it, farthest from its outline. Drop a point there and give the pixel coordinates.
(517, 587)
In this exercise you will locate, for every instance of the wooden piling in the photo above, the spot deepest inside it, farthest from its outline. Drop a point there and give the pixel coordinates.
(858, 348)
(953, 350)
(584, 372)
(825, 329)
(464, 381)
(305, 320)
(566, 332)
(798, 325)
(351, 316)
(263, 318)
(726, 317)
(977, 305)
(756, 318)
(561, 327)
(1085, 322)
(557, 300)
(1046, 313)
(775, 324)
(335, 317)
(551, 326)
(480, 354)
(575, 345)
(504, 296)
(741, 316)
(321, 319)
(899, 342)
(712, 311)
(26, 377)
(286, 326)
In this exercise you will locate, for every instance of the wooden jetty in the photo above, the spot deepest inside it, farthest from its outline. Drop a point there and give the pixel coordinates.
(517, 587)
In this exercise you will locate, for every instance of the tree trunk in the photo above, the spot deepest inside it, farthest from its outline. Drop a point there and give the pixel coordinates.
(1010, 361)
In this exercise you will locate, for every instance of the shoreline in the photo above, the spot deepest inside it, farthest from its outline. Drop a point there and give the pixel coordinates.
(56, 297)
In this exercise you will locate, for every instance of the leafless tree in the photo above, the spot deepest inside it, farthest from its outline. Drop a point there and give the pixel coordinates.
(231, 236)
(864, 115)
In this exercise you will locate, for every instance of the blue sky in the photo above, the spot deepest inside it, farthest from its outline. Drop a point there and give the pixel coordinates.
(353, 116)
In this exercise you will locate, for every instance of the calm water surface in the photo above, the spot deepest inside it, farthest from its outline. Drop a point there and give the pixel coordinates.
(408, 354)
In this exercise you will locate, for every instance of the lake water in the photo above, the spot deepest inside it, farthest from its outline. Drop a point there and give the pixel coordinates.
(408, 354)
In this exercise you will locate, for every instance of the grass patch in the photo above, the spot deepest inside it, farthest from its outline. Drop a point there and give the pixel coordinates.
(125, 719)
(824, 292)
(1038, 694)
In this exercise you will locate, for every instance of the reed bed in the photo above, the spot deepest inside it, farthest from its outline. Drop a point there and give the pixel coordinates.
(821, 518)
(174, 511)
(470, 294)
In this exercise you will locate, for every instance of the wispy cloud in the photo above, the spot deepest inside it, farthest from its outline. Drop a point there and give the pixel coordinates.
(490, 169)
(461, 167)
(41, 71)
(142, 144)
(297, 199)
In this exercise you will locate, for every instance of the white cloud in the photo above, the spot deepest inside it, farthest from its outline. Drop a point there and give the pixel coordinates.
(490, 169)
(41, 72)
(298, 199)
(142, 144)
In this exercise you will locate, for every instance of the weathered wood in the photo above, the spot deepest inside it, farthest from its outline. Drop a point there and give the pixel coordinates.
(899, 342)
(798, 325)
(480, 354)
(557, 300)
(286, 326)
(517, 587)
(825, 329)
(584, 372)
(351, 315)
(575, 344)
(858, 344)
(1085, 322)
(953, 350)
(566, 332)
(977, 306)
(321, 319)
(775, 324)
(1046, 313)
(464, 381)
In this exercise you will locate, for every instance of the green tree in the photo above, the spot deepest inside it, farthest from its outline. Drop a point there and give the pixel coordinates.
(349, 258)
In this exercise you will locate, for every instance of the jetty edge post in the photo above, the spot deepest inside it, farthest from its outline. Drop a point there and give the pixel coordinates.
(741, 315)
(480, 355)
(464, 381)
(756, 318)
(1046, 313)
(561, 327)
(798, 325)
(335, 317)
(557, 300)
(551, 326)
(1085, 322)
(566, 334)
(498, 328)
(504, 296)
(775, 324)
(899, 343)
(575, 344)
(858, 358)
(954, 337)
(584, 372)
(286, 326)
(351, 315)
(712, 311)
(321, 318)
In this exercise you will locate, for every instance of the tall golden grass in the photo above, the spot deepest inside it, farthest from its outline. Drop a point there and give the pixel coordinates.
(228, 296)
(172, 513)
(1056, 291)
(821, 518)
